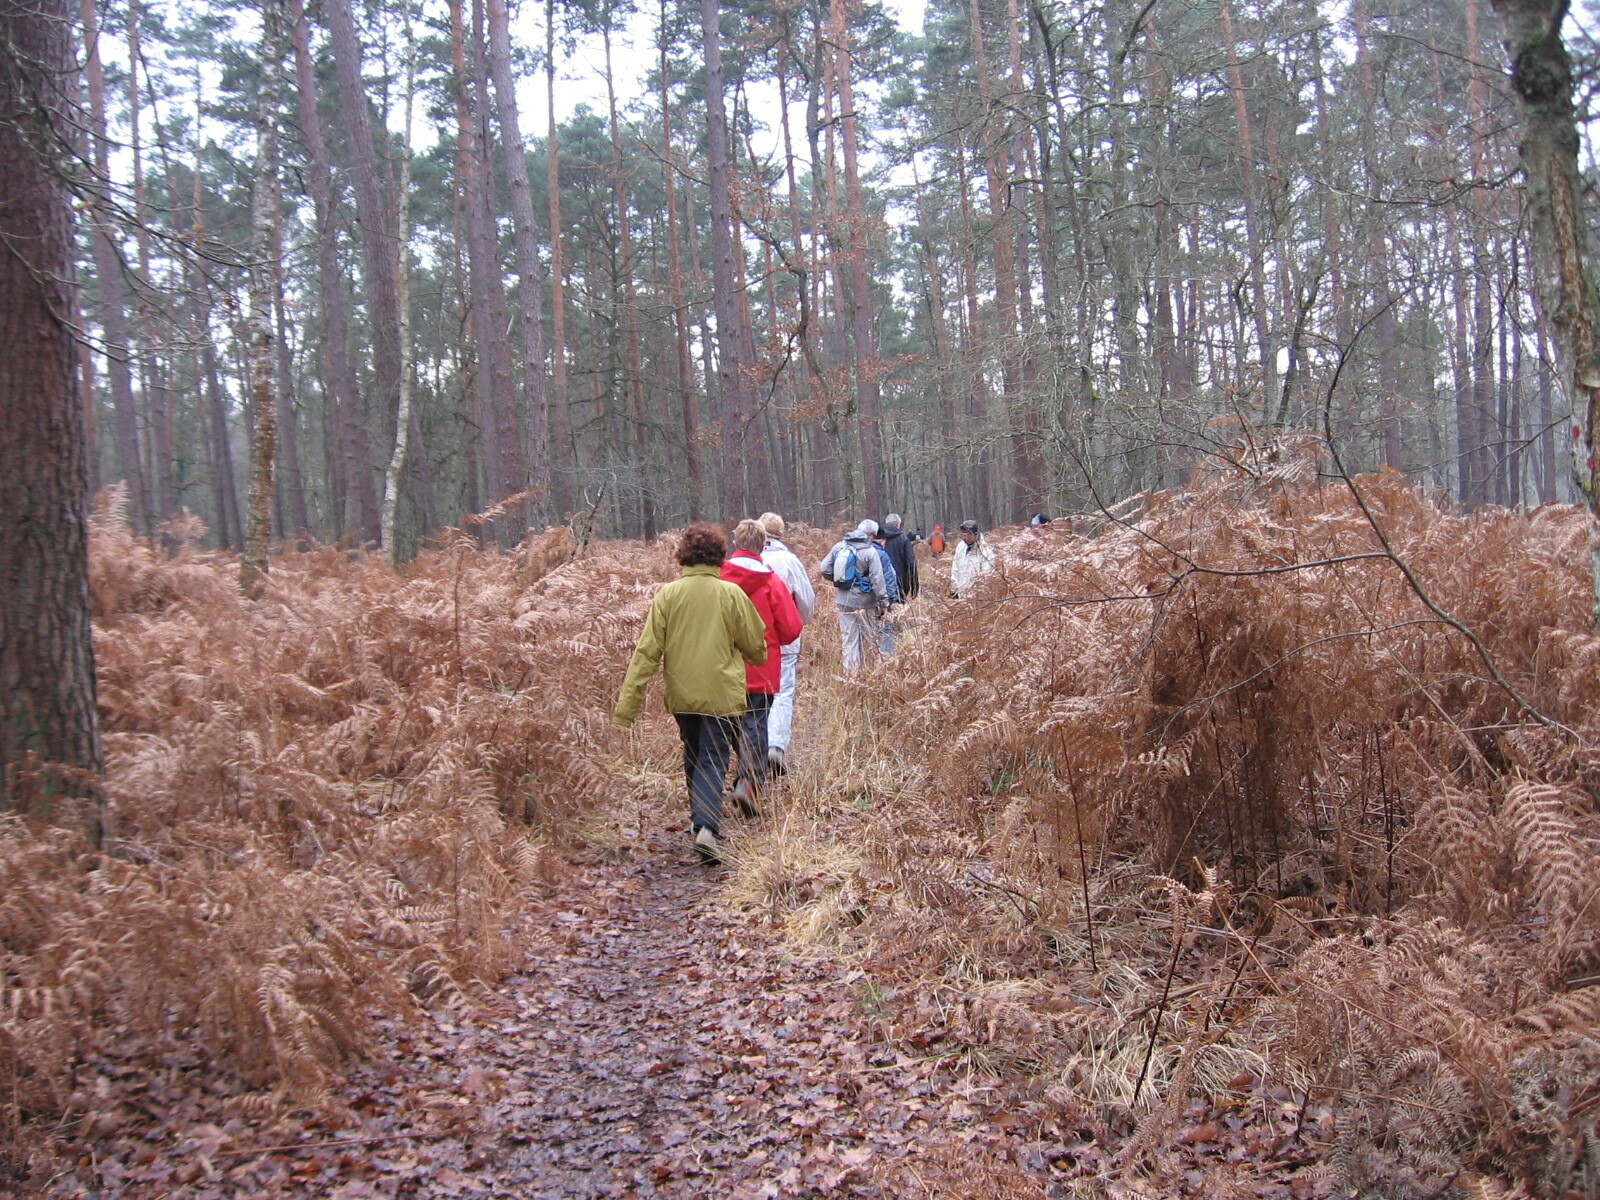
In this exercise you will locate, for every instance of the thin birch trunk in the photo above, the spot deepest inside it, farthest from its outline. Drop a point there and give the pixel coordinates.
(259, 325)
(403, 417)
(563, 449)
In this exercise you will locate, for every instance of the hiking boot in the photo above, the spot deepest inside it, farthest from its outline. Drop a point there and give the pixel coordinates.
(744, 796)
(707, 846)
(777, 765)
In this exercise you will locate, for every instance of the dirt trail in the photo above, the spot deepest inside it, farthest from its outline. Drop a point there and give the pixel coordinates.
(670, 1047)
(658, 1043)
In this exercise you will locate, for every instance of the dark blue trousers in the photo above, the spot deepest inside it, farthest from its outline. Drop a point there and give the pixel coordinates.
(707, 744)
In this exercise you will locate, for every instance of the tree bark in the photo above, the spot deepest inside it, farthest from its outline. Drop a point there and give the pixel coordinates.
(1261, 315)
(339, 386)
(1541, 78)
(108, 269)
(633, 368)
(535, 390)
(153, 385)
(563, 451)
(862, 315)
(264, 203)
(377, 242)
(683, 362)
(49, 730)
(403, 417)
(732, 383)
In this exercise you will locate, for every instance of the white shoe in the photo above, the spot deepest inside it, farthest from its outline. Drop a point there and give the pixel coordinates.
(708, 846)
(777, 764)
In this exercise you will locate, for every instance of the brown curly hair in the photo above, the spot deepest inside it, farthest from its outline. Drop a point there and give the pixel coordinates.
(702, 546)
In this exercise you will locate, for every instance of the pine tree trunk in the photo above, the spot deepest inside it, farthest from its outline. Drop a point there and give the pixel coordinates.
(732, 384)
(372, 222)
(1260, 316)
(343, 398)
(49, 731)
(492, 353)
(630, 318)
(108, 269)
(682, 359)
(502, 390)
(536, 397)
(153, 387)
(862, 314)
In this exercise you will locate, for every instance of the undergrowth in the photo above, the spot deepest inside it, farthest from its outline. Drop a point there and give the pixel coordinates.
(1203, 804)
(324, 807)
(1165, 812)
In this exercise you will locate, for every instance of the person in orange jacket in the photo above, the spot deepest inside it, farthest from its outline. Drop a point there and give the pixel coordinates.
(936, 542)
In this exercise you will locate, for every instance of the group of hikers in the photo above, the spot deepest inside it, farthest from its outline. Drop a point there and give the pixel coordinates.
(727, 635)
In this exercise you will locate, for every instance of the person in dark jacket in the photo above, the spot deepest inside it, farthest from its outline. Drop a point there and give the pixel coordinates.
(890, 614)
(902, 553)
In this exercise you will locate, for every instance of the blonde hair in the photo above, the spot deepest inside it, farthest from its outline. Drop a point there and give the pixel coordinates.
(749, 535)
(772, 523)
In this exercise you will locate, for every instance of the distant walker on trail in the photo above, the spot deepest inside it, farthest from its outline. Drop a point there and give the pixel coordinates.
(860, 592)
(780, 721)
(902, 553)
(704, 630)
(973, 557)
(771, 597)
(887, 616)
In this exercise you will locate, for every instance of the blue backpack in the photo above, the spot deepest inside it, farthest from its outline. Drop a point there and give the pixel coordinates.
(847, 573)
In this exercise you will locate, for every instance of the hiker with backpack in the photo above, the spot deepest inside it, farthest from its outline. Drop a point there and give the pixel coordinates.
(860, 592)
(704, 629)
(762, 681)
(789, 568)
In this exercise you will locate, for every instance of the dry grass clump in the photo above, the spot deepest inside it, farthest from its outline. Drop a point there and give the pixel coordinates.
(1211, 801)
(323, 806)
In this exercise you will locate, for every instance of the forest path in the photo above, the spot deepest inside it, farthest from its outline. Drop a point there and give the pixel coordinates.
(658, 1041)
(667, 1045)
(661, 1043)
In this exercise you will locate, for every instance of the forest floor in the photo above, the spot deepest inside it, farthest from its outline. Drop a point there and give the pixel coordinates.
(661, 1041)
(395, 910)
(657, 1042)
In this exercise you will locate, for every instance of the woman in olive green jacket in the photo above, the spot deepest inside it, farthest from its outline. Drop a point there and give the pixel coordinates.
(706, 630)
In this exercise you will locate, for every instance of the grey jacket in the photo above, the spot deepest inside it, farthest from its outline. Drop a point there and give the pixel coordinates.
(867, 560)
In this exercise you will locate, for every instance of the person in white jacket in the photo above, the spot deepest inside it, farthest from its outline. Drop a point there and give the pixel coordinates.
(973, 557)
(788, 567)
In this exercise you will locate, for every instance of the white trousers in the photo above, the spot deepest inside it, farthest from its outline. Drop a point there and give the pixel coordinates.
(780, 720)
(858, 628)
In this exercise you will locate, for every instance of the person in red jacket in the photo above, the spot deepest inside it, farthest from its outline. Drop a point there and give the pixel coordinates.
(771, 597)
